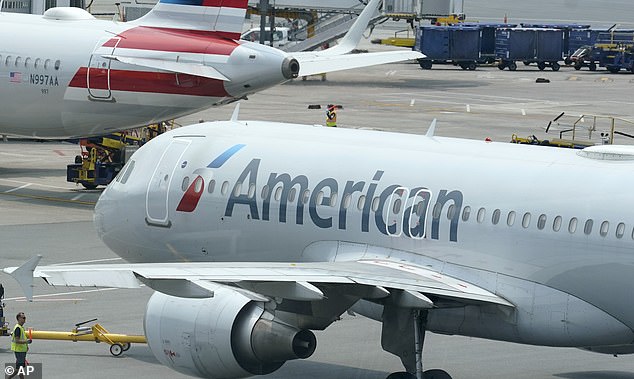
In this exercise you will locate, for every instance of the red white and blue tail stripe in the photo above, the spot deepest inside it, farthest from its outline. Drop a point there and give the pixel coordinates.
(224, 17)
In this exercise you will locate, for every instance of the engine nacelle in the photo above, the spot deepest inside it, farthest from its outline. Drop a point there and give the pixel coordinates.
(227, 336)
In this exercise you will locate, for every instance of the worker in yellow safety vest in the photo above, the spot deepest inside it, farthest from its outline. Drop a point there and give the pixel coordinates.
(331, 116)
(19, 345)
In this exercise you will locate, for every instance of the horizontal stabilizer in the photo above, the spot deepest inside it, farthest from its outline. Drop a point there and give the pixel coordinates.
(313, 63)
(177, 67)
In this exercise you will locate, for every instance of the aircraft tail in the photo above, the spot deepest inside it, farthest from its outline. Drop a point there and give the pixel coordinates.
(224, 17)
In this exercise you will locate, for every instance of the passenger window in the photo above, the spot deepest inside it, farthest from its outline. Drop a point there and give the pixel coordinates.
(237, 189)
(541, 222)
(185, 183)
(278, 194)
(320, 198)
(265, 191)
(437, 210)
(510, 219)
(333, 199)
(496, 217)
(306, 196)
(466, 212)
(481, 214)
(620, 230)
(18, 61)
(291, 194)
(587, 228)
(47, 64)
(361, 202)
(396, 208)
(572, 225)
(346, 201)
(450, 211)
(605, 226)
(375, 204)
(224, 188)
(526, 220)
(212, 185)
(38, 63)
(8, 60)
(57, 64)
(557, 224)
(251, 193)
(27, 62)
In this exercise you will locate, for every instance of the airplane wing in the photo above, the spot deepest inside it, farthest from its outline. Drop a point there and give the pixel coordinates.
(371, 279)
(311, 63)
(177, 67)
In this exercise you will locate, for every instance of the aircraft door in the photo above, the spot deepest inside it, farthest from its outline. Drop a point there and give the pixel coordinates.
(157, 198)
(98, 75)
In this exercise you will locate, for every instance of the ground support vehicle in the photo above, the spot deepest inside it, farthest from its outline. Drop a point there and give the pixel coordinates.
(103, 157)
(529, 45)
(459, 45)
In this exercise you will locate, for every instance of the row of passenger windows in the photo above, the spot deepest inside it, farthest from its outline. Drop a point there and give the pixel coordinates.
(28, 62)
(572, 224)
(510, 218)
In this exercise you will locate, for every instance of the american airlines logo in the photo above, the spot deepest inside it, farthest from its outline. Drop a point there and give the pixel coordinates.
(392, 209)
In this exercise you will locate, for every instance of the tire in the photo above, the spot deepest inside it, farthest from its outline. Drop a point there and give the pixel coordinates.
(555, 66)
(512, 66)
(463, 66)
(541, 66)
(125, 346)
(116, 349)
(613, 70)
(526, 63)
(472, 66)
(568, 61)
(436, 374)
(592, 66)
(501, 66)
(577, 67)
(425, 64)
(401, 375)
(89, 186)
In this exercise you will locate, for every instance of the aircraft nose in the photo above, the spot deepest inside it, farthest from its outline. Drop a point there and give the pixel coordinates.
(105, 212)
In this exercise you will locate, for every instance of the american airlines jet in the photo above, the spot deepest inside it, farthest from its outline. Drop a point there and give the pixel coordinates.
(66, 74)
(265, 231)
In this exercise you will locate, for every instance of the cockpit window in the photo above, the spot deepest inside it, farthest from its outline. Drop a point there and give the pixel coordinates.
(127, 171)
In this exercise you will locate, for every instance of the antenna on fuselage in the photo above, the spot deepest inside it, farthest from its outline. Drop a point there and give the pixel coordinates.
(236, 110)
(432, 129)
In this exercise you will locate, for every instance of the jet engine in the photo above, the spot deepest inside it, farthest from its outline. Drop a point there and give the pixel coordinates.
(227, 336)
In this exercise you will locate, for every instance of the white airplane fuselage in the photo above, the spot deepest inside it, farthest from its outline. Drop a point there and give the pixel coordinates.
(549, 230)
(64, 84)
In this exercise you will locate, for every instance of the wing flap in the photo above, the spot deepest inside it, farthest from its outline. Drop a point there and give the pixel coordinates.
(299, 281)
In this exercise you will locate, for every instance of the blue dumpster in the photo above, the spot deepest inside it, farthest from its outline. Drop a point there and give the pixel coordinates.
(459, 45)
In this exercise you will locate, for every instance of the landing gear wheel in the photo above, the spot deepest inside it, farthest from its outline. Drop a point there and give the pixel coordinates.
(436, 374)
(401, 375)
(125, 346)
(116, 349)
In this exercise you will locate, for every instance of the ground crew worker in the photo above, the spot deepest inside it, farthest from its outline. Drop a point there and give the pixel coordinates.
(331, 116)
(19, 345)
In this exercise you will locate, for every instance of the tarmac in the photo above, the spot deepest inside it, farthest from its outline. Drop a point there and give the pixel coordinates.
(40, 213)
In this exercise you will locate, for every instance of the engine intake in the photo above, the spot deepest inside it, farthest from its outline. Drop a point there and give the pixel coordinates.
(227, 336)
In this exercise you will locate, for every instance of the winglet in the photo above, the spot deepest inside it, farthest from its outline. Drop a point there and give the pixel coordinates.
(352, 38)
(236, 112)
(24, 275)
(432, 129)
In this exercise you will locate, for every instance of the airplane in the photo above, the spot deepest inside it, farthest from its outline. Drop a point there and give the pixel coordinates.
(66, 74)
(265, 231)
